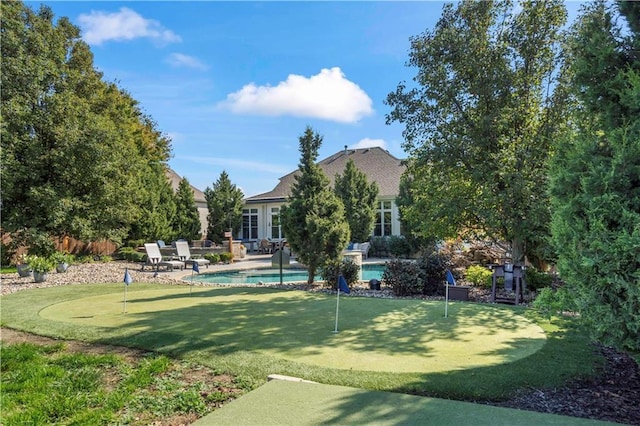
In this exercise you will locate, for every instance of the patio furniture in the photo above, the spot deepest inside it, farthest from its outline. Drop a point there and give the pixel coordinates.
(514, 282)
(265, 246)
(184, 254)
(156, 260)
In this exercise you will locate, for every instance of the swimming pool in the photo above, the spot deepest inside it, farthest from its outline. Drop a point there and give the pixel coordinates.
(271, 275)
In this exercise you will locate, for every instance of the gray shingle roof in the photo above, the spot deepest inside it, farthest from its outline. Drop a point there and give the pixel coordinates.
(379, 166)
(175, 179)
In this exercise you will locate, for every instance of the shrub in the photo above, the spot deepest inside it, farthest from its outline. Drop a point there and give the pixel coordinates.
(379, 247)
(41, 264)
(62, 257)
(135, 243)
(399, 246)
(348, 268)
(212, 257)
(403, 276)
(433, 267)
(85, 258)
(130, 254)
(226, 257)
(478, 276)
(536, 280)
(6, 254)
(551, 302)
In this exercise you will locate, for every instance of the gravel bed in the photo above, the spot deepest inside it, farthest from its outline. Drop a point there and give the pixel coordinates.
(87, 274)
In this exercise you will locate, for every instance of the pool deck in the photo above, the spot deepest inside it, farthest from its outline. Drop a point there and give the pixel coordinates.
(250, 261)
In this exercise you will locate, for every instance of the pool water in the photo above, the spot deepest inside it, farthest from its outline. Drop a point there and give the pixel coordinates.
(270, 275)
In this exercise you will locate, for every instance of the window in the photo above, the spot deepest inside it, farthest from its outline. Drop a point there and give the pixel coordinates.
(249, 224)
(276, 229)
(383, 220)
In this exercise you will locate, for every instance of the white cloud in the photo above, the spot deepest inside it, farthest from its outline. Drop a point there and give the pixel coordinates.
(180, 60)
(98, 27)
(327, 95)
(254, 166)
(369, 143)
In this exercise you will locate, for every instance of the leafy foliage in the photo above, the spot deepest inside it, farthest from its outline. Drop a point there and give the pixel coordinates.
(537, 280)
(425, 276)
(552, 301)
(314, 220)
(212, 257)
(187, 221)
(479, 123)
(359, 200)
(595, 176)
(403, 276)
(347, 267)
(224, 202)
(130, 254)
(75, 149)
(478, 276)
(158, 207)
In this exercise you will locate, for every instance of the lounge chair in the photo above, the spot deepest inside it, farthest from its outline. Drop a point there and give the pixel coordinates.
(265, 246)
(156, 260)
(184, 254)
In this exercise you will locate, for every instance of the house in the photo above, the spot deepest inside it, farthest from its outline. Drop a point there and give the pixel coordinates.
(260, 214)
(201, 202)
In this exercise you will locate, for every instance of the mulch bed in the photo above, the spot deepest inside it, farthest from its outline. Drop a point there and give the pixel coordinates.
(613, 395)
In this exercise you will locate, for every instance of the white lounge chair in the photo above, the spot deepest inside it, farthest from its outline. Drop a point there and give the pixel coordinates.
(184, 254)
(155, 259)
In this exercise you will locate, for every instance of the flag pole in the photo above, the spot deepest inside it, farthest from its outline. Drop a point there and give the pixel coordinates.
(124, 307)
(337, 305)
(446, 301)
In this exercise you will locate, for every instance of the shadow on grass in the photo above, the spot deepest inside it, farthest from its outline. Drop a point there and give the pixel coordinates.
(227, 320)
(236, 322)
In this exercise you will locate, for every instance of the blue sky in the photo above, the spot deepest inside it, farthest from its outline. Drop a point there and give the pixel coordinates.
(234, 84)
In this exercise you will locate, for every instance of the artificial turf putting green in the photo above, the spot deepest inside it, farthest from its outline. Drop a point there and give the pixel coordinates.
(394, 335)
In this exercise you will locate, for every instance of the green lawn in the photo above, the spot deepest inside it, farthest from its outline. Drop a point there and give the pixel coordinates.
(479, 352)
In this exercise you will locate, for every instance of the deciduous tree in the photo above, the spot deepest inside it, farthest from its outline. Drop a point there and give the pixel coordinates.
(75, 149)
(480, 120)
(313, 219)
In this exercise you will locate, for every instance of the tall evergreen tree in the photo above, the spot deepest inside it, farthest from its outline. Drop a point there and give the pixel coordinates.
(158, 207)
(595, 175)
(187, 220)
(480, 121)
(224, 202)
(359, 199)
(313, 219)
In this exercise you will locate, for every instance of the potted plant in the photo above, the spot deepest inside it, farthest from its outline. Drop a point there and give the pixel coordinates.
(22, 265)
(40, 266)
(62, 260)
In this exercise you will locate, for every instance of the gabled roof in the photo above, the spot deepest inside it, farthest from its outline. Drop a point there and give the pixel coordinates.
(175, 179)
(378, 165)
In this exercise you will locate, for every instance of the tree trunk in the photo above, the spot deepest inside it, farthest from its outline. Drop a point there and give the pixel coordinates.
(517, 251)
(312, 274)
